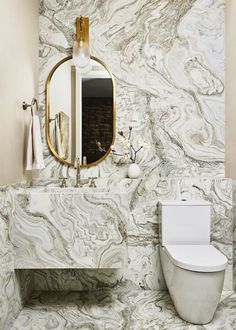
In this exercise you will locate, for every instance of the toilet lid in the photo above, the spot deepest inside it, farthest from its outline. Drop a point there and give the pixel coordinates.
(199, 258)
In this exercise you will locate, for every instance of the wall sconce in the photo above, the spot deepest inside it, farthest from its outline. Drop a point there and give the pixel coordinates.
(81, 51)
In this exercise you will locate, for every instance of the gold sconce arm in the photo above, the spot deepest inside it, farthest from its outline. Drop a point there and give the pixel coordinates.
(82, 29)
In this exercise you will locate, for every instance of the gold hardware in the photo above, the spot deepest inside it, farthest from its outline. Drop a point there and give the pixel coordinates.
(92, 182)
(47, 126)
(53, 119)
(82, 29)
(63, 183)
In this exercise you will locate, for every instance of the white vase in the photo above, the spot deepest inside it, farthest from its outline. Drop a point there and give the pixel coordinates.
(133, 171)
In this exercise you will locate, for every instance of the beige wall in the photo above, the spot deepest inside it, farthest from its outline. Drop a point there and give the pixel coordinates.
(230, 132)
(18, 81)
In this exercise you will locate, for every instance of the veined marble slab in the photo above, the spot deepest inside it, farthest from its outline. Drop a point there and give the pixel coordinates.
(75, 279)
(11, 302)
(168, 62)
(69, 230)
(14, 288)
(6, 249)
(123, 308)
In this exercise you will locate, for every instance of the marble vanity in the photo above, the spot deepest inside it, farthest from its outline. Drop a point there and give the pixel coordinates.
(53, 227)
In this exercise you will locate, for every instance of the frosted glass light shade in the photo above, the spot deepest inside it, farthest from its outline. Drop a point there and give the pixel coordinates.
(81, 56)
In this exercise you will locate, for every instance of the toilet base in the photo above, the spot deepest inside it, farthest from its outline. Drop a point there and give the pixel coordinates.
(195, 295)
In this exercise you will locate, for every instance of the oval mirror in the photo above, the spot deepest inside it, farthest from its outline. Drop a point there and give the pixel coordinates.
(80, 110)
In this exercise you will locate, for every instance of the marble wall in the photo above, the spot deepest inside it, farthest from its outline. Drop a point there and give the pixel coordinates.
(12, 293)
(167, 58)
(10, 304)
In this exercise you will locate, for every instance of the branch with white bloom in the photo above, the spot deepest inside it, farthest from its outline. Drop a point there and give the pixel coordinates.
(101, 149)
(132, 154)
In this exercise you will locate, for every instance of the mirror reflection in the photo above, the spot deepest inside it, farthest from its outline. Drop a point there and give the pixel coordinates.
(80, 111)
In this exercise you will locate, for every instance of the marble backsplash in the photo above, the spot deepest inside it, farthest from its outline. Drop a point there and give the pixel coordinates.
(167, 58)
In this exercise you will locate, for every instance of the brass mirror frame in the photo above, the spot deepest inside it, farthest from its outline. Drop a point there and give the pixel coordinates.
(47, 119)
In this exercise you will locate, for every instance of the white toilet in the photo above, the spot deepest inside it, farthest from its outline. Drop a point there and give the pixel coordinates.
(193, 269)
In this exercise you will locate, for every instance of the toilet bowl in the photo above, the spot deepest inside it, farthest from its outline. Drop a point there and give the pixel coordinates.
(193, 269)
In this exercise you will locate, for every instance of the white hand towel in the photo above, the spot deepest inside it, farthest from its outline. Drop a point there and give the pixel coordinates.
(34, 156)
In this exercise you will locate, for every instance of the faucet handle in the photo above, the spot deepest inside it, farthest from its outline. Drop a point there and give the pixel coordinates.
(63, 182)
(92, 182)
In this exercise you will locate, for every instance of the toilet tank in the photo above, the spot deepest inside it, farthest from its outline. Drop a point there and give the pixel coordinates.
(185, 222)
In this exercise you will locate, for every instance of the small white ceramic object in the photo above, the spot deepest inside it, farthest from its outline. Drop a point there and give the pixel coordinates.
(133, 171)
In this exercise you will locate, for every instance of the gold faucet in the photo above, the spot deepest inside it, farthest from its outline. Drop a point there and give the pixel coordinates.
(78, 183)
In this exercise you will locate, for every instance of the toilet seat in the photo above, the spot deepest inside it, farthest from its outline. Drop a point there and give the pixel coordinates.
(199, 258)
